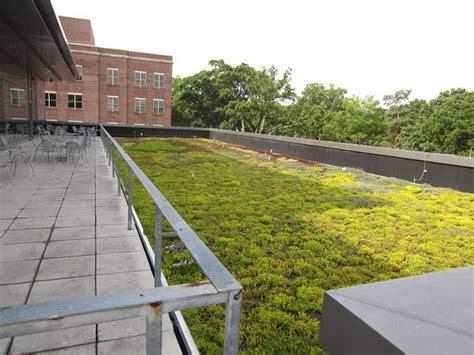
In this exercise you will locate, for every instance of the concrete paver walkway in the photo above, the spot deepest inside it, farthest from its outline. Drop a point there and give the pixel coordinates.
(63, 234)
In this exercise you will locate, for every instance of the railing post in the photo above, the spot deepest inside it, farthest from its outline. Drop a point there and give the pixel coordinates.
(119, 173)
(108, 150)
(158, 243)
(130, 197)
(113, 161)
(232, 323)
(153, 330)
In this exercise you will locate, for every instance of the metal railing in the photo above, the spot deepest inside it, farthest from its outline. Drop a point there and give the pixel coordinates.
(220, 288)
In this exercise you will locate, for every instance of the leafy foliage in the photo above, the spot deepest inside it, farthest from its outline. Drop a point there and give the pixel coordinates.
(289, 231)
(247, 99)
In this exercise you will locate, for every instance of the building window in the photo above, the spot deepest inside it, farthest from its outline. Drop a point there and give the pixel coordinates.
(140, 104)
(159, 80)
(112, 76)
(140, 79)
(17, 97)
(50, 98)
(74, 101)
(112, 103)
(80, 70)
(158, 106)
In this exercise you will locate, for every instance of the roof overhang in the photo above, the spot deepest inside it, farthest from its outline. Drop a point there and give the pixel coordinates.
(31, 37)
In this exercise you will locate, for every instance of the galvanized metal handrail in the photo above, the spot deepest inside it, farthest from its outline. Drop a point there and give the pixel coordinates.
(217, 274)
(221, 288)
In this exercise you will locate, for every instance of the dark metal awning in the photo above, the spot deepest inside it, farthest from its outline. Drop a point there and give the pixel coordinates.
(32, 38)
(427, 314)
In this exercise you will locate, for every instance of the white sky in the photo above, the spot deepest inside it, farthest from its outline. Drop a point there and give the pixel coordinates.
(370, 47)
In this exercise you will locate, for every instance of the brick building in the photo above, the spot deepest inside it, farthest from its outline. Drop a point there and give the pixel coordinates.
(117, 86)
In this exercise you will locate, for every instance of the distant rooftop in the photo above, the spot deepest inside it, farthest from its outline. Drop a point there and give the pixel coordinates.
(78, 30)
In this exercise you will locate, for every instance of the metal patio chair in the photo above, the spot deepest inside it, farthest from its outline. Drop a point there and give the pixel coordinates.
(46, 146)
(5, 158)
(23, 157)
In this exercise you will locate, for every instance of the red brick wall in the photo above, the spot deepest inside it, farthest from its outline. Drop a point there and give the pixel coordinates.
(94, 87)
(77, 30)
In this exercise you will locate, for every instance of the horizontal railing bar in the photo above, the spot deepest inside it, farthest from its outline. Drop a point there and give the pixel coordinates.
(33, 318)
(210, 265)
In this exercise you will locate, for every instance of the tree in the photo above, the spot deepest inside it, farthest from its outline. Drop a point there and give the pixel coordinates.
(360, 121)
(240, 97)
(312, 111)
(260, 106)
(397, 108)
(445, 125)
(198, 99)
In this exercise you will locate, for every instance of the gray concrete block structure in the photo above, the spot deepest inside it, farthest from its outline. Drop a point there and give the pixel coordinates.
(427, 314)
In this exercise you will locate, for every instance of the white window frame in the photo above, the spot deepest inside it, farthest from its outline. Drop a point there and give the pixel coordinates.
(80, 72)
(140, 79)
(112, 108)
(47, 102)
(75, 100)
(21, 97)
(156, 108)
(140, 99)
(157, 83)
(112, 81)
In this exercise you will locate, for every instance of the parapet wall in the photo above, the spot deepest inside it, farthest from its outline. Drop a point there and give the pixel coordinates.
(442, 170)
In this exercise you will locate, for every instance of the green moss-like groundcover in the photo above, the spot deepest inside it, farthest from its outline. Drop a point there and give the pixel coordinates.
(288, 231)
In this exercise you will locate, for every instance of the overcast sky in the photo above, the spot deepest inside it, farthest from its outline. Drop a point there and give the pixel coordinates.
(370, 47)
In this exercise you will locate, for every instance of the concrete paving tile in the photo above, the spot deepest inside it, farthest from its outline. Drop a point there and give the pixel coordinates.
(54, 339)
(46, 198)
(118, 202)
(18, 271)
(118, 245)
(125, 281)
(114, 231)
(33, 223)
(66, 267)
(56, 290)
(64, 248)
(41, 204)
(122, 328)
(80, 190)
(82, 197)
(121, 262)
(75, 221)
(118, 218)
(76, 211)
(11, 295)
(67, 233)
(5, 223)
(88, 349)
(9, 213)
(123, 346)
(45, 211)
(51, 192)
(25, 236)
(23, 251)
(78, 204)
(4, 345)
(122, 209)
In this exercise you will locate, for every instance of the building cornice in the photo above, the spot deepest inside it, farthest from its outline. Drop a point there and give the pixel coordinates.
(122, 56)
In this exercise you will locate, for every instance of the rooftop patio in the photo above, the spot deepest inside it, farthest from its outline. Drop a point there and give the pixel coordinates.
(63, 235)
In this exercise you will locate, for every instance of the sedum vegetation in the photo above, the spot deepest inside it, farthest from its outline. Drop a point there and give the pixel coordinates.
(289, 230)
